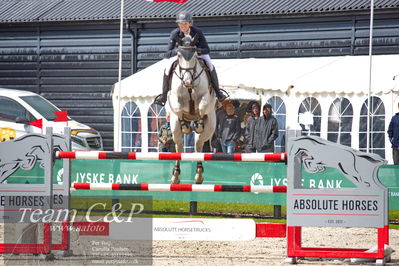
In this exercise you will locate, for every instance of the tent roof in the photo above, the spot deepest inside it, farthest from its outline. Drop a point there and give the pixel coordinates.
(305, 75)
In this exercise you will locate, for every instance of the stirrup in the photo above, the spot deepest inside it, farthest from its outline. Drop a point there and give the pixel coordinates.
(160, 100)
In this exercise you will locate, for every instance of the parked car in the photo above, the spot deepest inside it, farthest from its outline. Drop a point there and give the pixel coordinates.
(19, 108)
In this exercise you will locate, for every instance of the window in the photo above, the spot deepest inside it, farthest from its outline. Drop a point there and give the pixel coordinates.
(42, 106)
(156, 118)
(131, 128)
(10, 110)
(340, 118)
(377, 127)
(279, 113)
(188, 142)
(309, 116)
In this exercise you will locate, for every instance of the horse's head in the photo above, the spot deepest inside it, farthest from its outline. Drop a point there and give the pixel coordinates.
(187, 48)
(186, 53)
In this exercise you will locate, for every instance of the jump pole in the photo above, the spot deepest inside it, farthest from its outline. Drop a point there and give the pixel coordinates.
(179, 187)
(159, 156)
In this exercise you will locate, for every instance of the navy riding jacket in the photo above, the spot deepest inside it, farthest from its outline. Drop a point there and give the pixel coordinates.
(202, 44)
(393, 131)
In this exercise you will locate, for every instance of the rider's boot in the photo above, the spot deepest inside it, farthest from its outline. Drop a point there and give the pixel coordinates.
(215, 84)
(161, 98)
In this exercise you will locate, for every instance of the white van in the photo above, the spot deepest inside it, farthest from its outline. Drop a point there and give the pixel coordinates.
(18, 108)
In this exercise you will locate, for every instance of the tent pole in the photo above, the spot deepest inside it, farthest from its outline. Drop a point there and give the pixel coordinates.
(118, 119)
(369, 109)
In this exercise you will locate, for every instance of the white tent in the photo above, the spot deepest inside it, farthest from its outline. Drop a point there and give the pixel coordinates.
(346, 74)
(292, 79)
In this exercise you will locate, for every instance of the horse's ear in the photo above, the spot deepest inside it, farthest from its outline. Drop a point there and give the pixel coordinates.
(195, 39)
(179, 40)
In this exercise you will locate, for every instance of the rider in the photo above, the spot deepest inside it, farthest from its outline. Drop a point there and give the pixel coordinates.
(184, 21)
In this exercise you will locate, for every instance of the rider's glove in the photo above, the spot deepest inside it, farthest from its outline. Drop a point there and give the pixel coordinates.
(171, 53)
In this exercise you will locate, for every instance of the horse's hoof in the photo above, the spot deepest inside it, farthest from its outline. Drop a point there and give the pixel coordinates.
(186, 130)
(175, 177)
(175, 180)
(199, 130)
(185, 127)
(199, 126)
(198, 179)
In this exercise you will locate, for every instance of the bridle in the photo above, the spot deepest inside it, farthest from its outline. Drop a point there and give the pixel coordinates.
(190, 70)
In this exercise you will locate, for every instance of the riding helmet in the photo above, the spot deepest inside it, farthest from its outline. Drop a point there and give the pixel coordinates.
(184, 16)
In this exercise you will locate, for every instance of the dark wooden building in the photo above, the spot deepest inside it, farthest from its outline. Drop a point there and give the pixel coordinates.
(67, 50)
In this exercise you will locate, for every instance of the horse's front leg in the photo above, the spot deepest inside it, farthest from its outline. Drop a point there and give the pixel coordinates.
(202, 109)
(177, 138)
(209, 125)
(176, 174)
(199, 144)
(199, 174)
(203, 105)
(175, 105)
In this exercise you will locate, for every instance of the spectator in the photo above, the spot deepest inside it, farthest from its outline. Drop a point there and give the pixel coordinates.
(166, 143)
(249, 129)
(265, 131)
(229, 130)
(220, 114)
(241, 143)
(250, 105)
(393, 134)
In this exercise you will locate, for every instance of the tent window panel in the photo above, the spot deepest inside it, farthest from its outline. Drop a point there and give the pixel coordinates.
(280, 141)
(131, 128)
(309, 116)
(378, 140)
(279, 112)
(316, 127)
(346, 139)
(378, 122)
(363, 123)
(362, 141)
(156, 118)
(188, 142)
(340, 117)
(342, 138)
(333, 126)
(346, 123)
(380, 152)
(126, 141)
(377, 126)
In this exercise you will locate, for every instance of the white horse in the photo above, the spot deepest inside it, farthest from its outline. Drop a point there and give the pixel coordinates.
(191, 98)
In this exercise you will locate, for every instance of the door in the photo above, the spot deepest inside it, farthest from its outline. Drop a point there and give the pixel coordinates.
(10, 110)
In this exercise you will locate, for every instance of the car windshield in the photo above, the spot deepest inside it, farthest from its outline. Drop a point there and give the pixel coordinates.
(42, 106)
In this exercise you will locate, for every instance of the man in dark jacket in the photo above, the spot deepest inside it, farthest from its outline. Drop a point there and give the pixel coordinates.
(184, 21)
(250, 127)
(229, 130)
(393, 134)
(266, 131)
